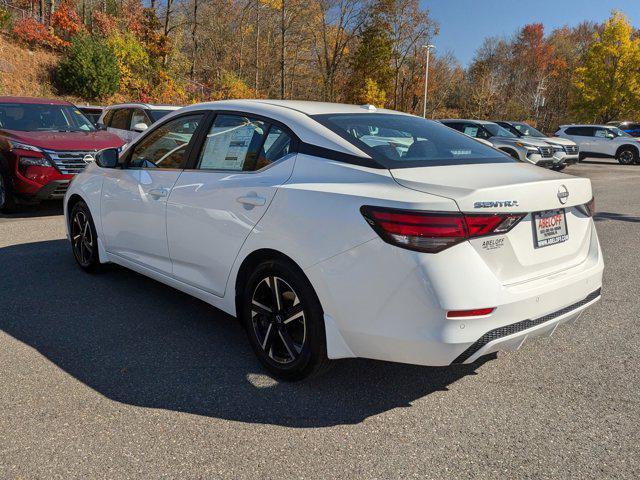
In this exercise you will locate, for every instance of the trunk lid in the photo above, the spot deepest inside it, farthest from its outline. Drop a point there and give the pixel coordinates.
(514, 257)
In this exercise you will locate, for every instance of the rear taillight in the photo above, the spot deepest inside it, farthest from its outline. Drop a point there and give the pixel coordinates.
(589, 208)
(432, 232)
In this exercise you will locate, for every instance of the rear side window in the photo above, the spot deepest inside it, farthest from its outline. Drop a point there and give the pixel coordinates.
(120, 119)
(580, 131)
(233, 143)
(106, 121)
(415, 142)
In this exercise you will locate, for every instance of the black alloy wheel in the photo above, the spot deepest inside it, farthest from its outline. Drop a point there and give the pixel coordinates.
(84, 240)
(627, 156)
(284, 321)
(278, 320)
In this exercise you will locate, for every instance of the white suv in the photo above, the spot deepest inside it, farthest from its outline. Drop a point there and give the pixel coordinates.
(603, 141)
(129, 120)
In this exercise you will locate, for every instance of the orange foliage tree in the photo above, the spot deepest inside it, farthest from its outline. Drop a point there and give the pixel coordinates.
(66, 22)
(35, 34)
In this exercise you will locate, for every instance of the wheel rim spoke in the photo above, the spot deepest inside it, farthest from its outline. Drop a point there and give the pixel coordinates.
(293, 313)
(267, 341)
(257, 307)
(288, 343)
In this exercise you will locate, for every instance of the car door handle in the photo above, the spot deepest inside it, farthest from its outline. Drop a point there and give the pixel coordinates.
(159, 192)
(253, 200)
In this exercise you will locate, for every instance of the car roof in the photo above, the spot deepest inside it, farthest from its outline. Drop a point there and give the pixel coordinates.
(148, 106)
(308, 107)
(481, 122)
(34, 101)
(586, 125)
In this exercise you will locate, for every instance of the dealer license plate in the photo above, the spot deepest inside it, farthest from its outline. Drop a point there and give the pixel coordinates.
(550, 227)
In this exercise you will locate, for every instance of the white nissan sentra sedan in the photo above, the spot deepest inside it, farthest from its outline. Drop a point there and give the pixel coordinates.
(336, 231)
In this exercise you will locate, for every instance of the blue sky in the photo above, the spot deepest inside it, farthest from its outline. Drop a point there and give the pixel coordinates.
(464, 24)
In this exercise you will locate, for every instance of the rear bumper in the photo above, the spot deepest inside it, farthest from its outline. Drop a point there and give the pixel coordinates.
(511, 337)
(391, 304)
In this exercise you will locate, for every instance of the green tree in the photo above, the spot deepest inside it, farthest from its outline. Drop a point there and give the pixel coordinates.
(133, 62)
(607, 86)
(89, 69)
(371, 62)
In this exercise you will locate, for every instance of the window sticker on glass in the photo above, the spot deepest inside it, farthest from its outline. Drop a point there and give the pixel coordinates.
(471, 131)
(229, 143)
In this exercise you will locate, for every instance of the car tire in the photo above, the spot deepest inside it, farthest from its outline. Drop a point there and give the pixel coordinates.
(558, 168)
(627, 156)
(84, 238)
(284, 321)
(7, 202)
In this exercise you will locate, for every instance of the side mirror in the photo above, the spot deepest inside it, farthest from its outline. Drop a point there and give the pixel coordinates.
(140, 127)
(107, 158)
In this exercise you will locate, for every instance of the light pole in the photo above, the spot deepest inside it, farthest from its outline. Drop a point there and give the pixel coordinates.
(426, 79)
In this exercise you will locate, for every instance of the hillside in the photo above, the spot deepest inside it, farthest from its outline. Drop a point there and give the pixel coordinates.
(25, 72)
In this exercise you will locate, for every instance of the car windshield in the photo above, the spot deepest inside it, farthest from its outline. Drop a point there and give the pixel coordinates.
(158, 114)
(619, 133)
(497, 131)
(527, 130)
(28, 117)
(398, 141)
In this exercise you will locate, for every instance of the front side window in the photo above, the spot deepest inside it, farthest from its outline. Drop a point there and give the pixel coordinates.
(527, 130)
(166, 146)
(233, 143)
(29, 117)
(604, 133)
(120, 119)
(416, 142)
(138, 116)
(617, 132)
(497, 131)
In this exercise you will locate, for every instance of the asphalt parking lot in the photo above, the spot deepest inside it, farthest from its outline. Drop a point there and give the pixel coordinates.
(118, 376)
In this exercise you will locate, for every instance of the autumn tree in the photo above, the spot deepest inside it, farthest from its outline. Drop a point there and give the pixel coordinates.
(371, 74)
(608, 84)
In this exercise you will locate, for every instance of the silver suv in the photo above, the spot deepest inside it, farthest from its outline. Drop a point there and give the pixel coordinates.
(529, 150)
(565, 151)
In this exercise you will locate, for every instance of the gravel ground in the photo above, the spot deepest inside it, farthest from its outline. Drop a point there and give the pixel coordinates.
(117, 376)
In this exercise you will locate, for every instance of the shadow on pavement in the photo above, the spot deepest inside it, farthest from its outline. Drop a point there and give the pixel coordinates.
(44, 209)
(620, 217)
(141, 343)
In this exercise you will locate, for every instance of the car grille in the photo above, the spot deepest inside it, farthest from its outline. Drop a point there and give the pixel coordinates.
(72, 162)
(571, 149)
(520, 326)
(60, 191)
(546, 152)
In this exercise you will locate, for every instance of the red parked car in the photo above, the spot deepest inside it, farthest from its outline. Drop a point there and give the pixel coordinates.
(43, 144)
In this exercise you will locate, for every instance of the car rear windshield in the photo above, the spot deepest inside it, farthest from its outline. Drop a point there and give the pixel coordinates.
(403, 141)
(43, 118)
(158, 114)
